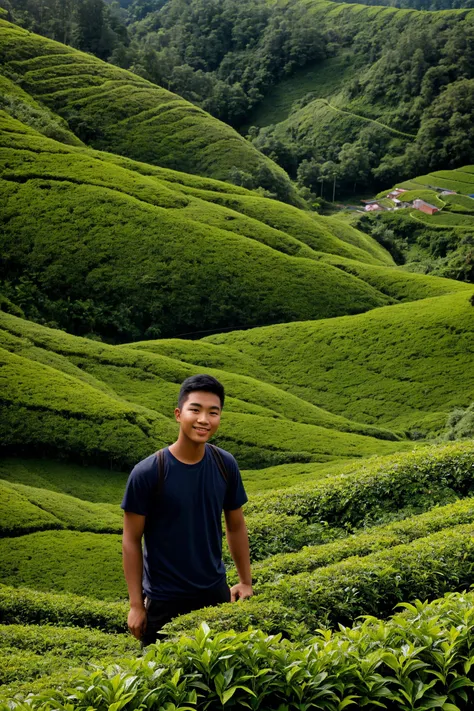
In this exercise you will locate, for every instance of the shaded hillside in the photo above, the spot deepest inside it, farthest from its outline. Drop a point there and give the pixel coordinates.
(105, 249)
(396, 99)
(112, 109)
(406, 366)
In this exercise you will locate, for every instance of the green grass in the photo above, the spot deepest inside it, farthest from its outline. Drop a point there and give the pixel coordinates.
(119, 111)
(405, 366)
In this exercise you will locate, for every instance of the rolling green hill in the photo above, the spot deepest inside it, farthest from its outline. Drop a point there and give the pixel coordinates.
(144, 279)
(114, 405)
(112, 109)
(405, 366)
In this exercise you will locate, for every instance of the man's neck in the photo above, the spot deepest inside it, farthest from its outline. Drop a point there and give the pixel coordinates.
(187, 451)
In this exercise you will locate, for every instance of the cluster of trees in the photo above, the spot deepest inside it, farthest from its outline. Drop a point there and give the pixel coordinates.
(89, 25)
(447, 253)
(421, 82)
(226, 55)
(431, 5)
(221, 54)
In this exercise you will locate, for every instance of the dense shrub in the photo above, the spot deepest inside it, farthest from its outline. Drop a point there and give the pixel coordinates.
(341, 592)
(78, 562)
(419, 659)
(25, 606)
(362, 543)
(377, 487)
(31, 651)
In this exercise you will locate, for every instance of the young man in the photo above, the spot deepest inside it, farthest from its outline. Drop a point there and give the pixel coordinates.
(179, 515)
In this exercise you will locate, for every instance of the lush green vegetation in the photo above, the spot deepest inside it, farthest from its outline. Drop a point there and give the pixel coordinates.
(446, 250)
(112, 109)
(341, 592)
(331, 91)
(399, 658)
(377, 367)
(62, 273)
(350, 410)
(361, 544)
(29, 652)
(114, 405)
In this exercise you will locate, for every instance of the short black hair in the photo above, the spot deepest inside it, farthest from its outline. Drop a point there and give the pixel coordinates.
(201, 382)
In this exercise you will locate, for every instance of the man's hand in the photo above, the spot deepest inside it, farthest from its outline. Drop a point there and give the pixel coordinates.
(137, 621)
(240, 592)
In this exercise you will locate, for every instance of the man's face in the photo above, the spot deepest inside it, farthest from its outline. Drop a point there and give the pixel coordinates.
(199, 416)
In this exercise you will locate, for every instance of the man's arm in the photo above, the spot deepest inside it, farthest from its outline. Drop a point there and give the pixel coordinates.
(237, 538)
(133, 527)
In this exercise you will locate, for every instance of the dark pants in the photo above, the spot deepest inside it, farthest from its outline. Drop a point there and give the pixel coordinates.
(159, 612)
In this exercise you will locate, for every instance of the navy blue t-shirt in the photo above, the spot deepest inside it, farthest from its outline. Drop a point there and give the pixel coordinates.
(182, 552)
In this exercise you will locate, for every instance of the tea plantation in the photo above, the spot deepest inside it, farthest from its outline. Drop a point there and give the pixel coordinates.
(349, 389)
(112, 109)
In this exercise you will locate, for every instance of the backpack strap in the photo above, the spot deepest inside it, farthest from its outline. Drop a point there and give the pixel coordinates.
(219, 461)
(160, 457)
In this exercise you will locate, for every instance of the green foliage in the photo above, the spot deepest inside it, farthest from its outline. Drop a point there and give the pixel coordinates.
(460, 424)
(365, 491)
(67, 510)
(363, 543)
(143, 280)
(18, 515)
(86, 564)
(91, 484)
(416, 656)
(419, 353)
(20, 605)
(339, 593)
(112, 109)
(18, 104)
(32, 651)
(114, 406)
(273, 533)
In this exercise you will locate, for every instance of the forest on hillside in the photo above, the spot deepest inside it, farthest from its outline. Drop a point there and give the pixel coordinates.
(406, 88)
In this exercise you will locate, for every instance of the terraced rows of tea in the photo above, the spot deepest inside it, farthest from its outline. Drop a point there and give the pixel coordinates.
(341, 371)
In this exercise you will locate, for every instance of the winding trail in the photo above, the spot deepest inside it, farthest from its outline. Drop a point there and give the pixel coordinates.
(364, 118)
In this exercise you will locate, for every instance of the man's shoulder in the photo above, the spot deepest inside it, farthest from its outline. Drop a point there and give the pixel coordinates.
(229, 460)
(146, 467)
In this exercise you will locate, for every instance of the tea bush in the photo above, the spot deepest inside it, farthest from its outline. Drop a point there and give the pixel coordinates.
(115, 110)
(363, 492)
(419, 659)
(30, 651)
(341, 592)
(404, 367)
(64, 512)
(19, 605)
(361, 544)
